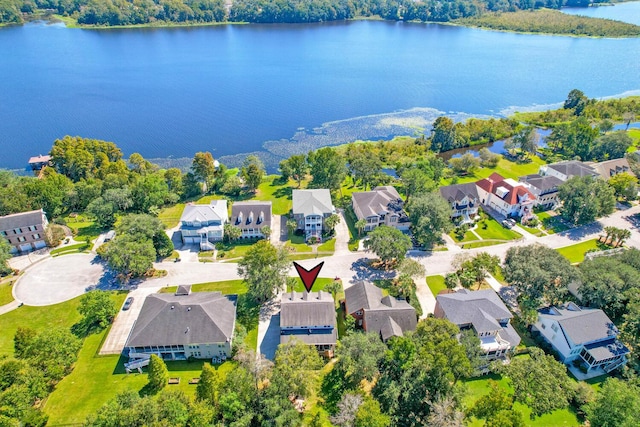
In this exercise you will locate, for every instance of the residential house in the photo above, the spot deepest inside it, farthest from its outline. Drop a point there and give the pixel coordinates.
(545, 188)
(183, 325)
(610, 168)
(381, 206)
(505, 196)
(582, 334)
(251, 217)
(310, 209)
(37, 163)
(485, 313)
(386, 316)
(567, 169)
(25, 231)
(204, 224)
(311, 318)
(463, 199)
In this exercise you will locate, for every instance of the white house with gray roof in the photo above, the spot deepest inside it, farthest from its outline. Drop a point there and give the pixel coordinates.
(311, 318)
(463, 199)
(251, 217)
(182, 325)
(485, 313)
(381, 206)
(24, 231)
(567, 169)
(204, 224)
(545, 188)
(583, 334)
(310, 209)
(386, 316)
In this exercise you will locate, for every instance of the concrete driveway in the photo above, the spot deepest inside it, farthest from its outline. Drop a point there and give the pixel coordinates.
(55, 280)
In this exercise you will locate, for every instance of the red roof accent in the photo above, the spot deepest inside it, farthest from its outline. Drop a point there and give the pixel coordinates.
(496, 180)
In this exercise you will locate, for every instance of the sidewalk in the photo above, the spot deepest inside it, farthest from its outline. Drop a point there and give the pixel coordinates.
(10, 307)
(425, 296)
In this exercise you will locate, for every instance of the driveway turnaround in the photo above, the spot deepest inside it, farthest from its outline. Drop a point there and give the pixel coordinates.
(59, 279)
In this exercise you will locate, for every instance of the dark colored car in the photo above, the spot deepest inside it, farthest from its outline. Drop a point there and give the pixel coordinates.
(127, 303)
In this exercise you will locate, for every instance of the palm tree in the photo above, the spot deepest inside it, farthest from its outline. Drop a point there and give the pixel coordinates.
(292, 224)
(610, 231)
(332, 221)
(333, 288)
(622, 236)
(360, 225)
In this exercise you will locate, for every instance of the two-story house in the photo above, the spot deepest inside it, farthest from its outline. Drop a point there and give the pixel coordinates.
(183, 325)
(611, 168)
(567, 169)
(505, 196)
(24, 231)
(204, 224)
(311, 318)
(545, 188)
(382, 205)
(251, 217)
(583, 334)
(463, 199)
(485, 313)
(310, 209)
(386, 316)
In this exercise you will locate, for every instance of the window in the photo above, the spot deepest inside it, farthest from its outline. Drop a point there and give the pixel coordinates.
(3, 233)
(32, 228)
(36, 236)
(22, 239)
(554, 327)
(17, 231)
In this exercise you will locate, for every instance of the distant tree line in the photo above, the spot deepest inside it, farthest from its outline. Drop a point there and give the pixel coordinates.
(134, 12)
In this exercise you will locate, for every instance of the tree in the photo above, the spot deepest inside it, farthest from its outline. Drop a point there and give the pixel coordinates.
(334, 288)
(150, 191)
(617, 404)
(327, 168)
(162, 244)
(158, 374)
(203, 168)
(540, 381)
(576, 101)
(361, 224)
(416, 181)
(611, 146)
(389, 243)
(445, 413)
(231, 232)
(630, 329)
(369, 415)
(364, 164)
(52, 351)
(585, 198)
(358, 356)
(525, 139)
(465, 164)
(483, 264)
(266, 231)
(97, 309)
(540, 274)
(103, 213)
(411, 268)
(451, 280)
(252, 172)
(139, 165)
(295, 167)
(497, 408)
(129, 256)
(430, 218)
(488, 159)
(625, 186)
(264, 269)
(471, 343)
(232, 187)
(208, 389)
(22, 340)
(5, 256)
(293, 363)
(605, 126)
(174, 179)
(443, 135)
(119, 197)
(331, 221)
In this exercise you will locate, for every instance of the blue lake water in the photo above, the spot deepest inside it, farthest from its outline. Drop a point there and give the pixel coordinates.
(626, 12)
(283, 88)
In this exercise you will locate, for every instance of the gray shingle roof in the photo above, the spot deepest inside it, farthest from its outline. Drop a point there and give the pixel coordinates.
(309, 310)
(385, 315)
(457, 192)
(582, 325)
(479, 308)
(22, 219)
(609, 168)
(542, 183)
(312, 202)
(215, 211)
(249, 214)
(380, 200)
(573, 168)
(197, 318)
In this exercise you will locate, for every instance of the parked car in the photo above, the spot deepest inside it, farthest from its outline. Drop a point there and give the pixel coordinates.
(507, 223)
(110, 235)
(127, 303)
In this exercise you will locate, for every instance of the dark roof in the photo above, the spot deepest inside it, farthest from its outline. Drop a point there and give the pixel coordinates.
(251, 214)
(385, 315)
(606, 349)
(22, 219)
(309, 317)
(381, 200)
(183, 290)
(582, 325)
(542, 183)
(198, 318)
(478, 308)
(457, 192)
(573, 168)
(609, 168)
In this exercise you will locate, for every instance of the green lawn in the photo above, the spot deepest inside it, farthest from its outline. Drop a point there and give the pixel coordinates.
(506, 168)
(575, 253)
(436, 284)
(328, 246)
(482, 244)
(297, 244)
(5, 292)
(319, 284)
(551, 223)
(71, 249)
(83, 227)
(354, 236)
(494, 230)
(170, 216)
(478, 387)
(272, 189)
(236, 250)
(468, 237)
(635, 136)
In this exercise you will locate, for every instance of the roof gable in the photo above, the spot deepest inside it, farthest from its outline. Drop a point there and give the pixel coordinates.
(215, 211)
(22, 219)
(582, 325)
(481, 309)
(312, 202)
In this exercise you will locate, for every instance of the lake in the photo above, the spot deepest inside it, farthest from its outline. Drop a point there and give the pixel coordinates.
(280, 89)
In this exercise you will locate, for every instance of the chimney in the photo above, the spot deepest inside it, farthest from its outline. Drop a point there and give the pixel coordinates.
(319, 295)
(305, 295)
(293, 295)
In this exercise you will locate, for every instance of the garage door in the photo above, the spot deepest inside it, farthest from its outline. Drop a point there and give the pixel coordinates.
(40, 244)
(191, 239)
(26, 247)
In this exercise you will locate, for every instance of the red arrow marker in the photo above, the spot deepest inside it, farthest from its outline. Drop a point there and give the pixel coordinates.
(308, 276)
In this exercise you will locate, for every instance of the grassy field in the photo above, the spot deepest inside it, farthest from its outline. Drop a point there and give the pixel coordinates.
(71, 249)
(354, 236)
(170, 216)
(551, 223)
(506, 168)
(319, 284)
(272, 189)
(6, 286)
(494, 230)
(436, 284)
(83, 227)
(468, 237)
(575, 253)
(328, 246)
(236, 250)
